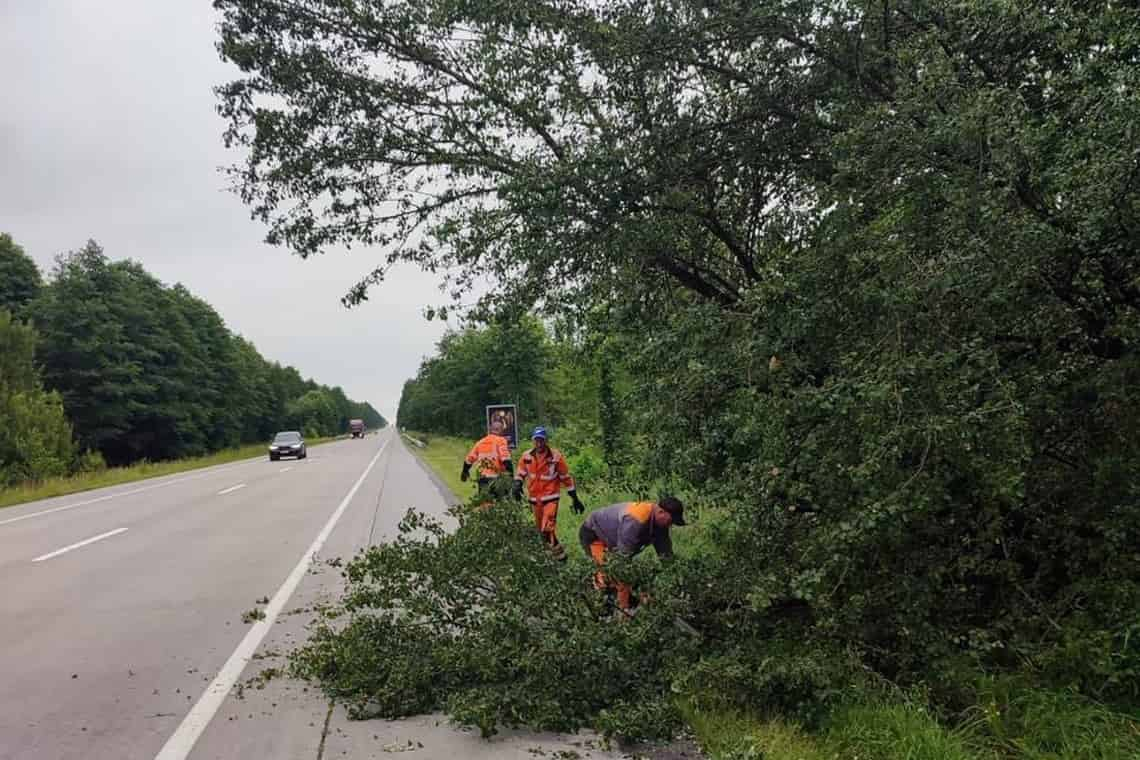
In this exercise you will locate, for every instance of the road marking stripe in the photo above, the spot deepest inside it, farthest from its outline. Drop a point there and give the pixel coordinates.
(182, 741)
(212, 471)
(231, 489)
(285, 469)
(76, 545)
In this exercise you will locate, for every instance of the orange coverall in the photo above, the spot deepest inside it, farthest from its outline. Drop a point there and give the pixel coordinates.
(488, 454)
(546, 475)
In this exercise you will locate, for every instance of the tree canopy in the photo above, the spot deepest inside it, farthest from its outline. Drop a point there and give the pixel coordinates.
(145, 370)
(20, 280)
(35, 437)
(474, 368)
(871, 269)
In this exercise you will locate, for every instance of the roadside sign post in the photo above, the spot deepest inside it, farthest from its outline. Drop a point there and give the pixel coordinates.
(507, 416)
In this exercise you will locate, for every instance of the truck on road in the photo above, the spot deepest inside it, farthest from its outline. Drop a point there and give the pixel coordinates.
(356, 427)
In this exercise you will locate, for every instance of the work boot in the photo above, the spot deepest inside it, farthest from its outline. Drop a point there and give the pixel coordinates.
(558, 551)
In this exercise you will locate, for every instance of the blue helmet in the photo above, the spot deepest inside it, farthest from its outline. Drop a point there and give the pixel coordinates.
(539, 432)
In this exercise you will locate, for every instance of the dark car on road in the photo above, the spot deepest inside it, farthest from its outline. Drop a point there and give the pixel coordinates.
(288, 443)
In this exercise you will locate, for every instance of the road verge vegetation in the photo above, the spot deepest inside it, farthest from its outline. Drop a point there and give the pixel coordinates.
(478, 621)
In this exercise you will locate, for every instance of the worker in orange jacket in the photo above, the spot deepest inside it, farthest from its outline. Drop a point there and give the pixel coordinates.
(491, 454)
(626, 529)
(545, 472)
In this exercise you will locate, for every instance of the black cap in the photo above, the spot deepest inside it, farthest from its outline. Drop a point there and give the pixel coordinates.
(675, 508)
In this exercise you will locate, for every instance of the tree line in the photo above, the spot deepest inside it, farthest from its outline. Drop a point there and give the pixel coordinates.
(575, 386)
(104, 363)
(871, 271)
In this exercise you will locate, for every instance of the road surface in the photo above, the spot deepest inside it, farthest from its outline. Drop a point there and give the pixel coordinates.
(121, 630)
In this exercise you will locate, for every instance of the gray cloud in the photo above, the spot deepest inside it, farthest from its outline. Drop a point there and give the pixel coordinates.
(108, 131)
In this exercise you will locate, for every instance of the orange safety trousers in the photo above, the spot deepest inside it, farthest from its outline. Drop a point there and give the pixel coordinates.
(601, 582)
(546, 519)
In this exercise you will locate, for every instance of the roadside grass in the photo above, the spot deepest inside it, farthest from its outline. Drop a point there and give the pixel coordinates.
(1040, 724)
(1010, 720)
(871, 731)
(733, 734)
(445, 456)
(114, 476)
(897, 731)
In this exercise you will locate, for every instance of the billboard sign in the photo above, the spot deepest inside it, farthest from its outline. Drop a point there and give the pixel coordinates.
(507, 416)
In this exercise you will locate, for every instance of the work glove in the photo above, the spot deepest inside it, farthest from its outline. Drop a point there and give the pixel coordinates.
(576, 504)
(516, 490)
(466, 474)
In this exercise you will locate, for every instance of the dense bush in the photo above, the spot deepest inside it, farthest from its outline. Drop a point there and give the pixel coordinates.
(35, 437)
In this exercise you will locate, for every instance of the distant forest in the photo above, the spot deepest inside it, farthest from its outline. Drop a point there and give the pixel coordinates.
(104, 364)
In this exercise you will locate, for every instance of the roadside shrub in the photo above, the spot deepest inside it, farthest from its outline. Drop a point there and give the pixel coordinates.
(35, 436)
(480, 622)
(792, 678)
(90, 461)
(727, 734)
(587, 466)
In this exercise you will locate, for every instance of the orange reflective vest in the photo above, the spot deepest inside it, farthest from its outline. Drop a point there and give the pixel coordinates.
(546, 474)
(488, 454)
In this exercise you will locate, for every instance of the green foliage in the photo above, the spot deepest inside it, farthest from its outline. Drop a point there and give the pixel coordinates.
(869, 269)
(148, 371)
(35, 437)
(474, 368)
(312, 413)
(736, 735)
(900, 731)
(587, 464)
(1034, 726)
(1047, 725)
(90, 462)
(482, 623)
(555, 377)
(20, 280)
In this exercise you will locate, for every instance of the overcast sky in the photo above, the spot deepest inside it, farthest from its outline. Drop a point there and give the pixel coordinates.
(108, 131)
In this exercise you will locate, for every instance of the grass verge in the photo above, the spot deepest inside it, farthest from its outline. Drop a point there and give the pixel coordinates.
(445, 457)
(1038, 725)
(114, 476)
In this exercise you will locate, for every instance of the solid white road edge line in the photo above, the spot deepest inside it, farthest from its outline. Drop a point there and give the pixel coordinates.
(182, 741)
(78, 544)
(210, 471)
(231, 489)
(285, 469)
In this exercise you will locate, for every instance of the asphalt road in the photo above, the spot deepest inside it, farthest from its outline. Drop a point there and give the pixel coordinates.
(121, 631)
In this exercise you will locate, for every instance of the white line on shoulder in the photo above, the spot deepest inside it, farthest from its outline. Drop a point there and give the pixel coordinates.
(182, 741)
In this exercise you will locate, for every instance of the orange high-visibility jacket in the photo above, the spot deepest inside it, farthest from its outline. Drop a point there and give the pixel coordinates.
(547, 474)
(489, 453)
